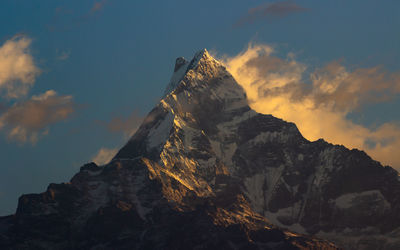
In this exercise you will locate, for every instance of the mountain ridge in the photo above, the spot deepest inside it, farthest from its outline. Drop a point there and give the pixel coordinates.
(203, 156)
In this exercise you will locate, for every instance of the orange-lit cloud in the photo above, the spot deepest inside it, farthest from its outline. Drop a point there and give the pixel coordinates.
(17, 68)
(28, 120)
(320, 102)
(104, 155)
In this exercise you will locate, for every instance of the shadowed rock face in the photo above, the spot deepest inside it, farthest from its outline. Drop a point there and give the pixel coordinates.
(125, 205)
(205, 171)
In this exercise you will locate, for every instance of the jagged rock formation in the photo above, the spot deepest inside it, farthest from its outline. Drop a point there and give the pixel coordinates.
(205, 171)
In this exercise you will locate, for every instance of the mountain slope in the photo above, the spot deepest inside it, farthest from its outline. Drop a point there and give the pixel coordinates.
(206, 171)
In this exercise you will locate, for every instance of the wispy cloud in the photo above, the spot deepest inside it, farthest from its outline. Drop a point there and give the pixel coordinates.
(127, 125)
(269, 11)
(97, 6)
(320, 102)
(18, 70)
(63, 55)
(28, 120)
(104, 155)
(65, 19)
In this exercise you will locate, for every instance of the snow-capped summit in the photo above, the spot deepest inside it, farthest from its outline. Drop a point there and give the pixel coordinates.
(206, 171)
(182, 67)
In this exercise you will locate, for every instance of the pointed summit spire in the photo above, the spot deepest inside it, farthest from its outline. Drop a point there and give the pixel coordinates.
(180, 61)
(201, 55)
(182, 66)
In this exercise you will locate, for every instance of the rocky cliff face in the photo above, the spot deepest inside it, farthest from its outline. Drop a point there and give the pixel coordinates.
(206, 171)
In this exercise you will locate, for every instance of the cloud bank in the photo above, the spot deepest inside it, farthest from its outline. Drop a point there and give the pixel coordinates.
(319, 100)
(28, 120)
(17, 68)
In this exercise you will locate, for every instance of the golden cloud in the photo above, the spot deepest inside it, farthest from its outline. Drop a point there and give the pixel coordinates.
(17, 68)
(319, 102)
(104, 155)
(26, 121)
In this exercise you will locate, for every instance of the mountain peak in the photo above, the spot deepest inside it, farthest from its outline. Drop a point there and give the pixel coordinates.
(202, 56)
(203, 53)
(206, 171)
(182, 66)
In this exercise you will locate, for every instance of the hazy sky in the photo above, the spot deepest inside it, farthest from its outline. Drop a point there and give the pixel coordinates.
(77, 76)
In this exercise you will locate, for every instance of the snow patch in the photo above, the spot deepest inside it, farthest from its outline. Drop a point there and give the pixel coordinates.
(176, 79)
(348, 200)
(255, 192)
(289, 212)
(265, 137)
(160, 133)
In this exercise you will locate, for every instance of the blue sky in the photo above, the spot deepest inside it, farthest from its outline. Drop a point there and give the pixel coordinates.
(109, 62)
